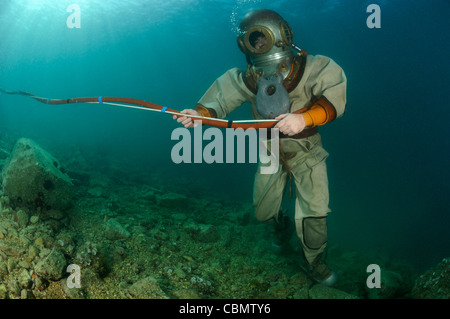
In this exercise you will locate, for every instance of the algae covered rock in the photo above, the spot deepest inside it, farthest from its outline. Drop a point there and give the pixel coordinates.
(32, 178)
(25, 280)
(52, 267)
(114, 230)
(201, 232)
(21, 217)
(435, 283)
(173, 201)
(11, 249)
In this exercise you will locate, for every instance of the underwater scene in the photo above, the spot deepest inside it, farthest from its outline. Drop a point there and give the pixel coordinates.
(104, 195)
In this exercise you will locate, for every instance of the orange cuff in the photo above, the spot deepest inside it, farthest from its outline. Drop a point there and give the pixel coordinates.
(320, 113)
(205, 112)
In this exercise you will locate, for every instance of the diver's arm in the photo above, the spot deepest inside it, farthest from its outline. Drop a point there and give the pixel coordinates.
(319, 113)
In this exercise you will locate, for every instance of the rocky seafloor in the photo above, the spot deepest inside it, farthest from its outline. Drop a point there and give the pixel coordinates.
(137, 237)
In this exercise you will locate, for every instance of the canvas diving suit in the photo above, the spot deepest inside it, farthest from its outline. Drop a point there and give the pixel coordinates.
(316, 87)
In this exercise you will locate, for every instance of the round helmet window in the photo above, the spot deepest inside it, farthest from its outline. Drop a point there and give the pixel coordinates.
(258, 40)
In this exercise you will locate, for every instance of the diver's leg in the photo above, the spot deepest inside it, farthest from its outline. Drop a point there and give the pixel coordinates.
(267, 198)
(268, 192)
(311, 210)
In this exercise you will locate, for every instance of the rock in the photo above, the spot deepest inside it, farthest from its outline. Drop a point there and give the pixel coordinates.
(179, 217)
(34, 219)
(201, 232)
(33, 252)
(149, 195)
(11, 249)
(114, 230)
(96, 191)
(172, 200)
(146, 288)
(25, 281)
(319, 291)
(13, 287)
(21, 218)
(52, 267)
(11, 264)
(32, 178)
(39, 242)
(208, 234)
(435, 283)
(24, 264)
(300, 280)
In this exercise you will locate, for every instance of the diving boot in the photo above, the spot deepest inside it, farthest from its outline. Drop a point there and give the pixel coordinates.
(319, 271)
(283, 230)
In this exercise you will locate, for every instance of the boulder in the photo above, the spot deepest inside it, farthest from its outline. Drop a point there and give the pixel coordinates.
(32, 178)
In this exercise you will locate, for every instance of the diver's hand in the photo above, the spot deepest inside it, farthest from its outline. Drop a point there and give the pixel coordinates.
(290, 124)
(188, 122)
